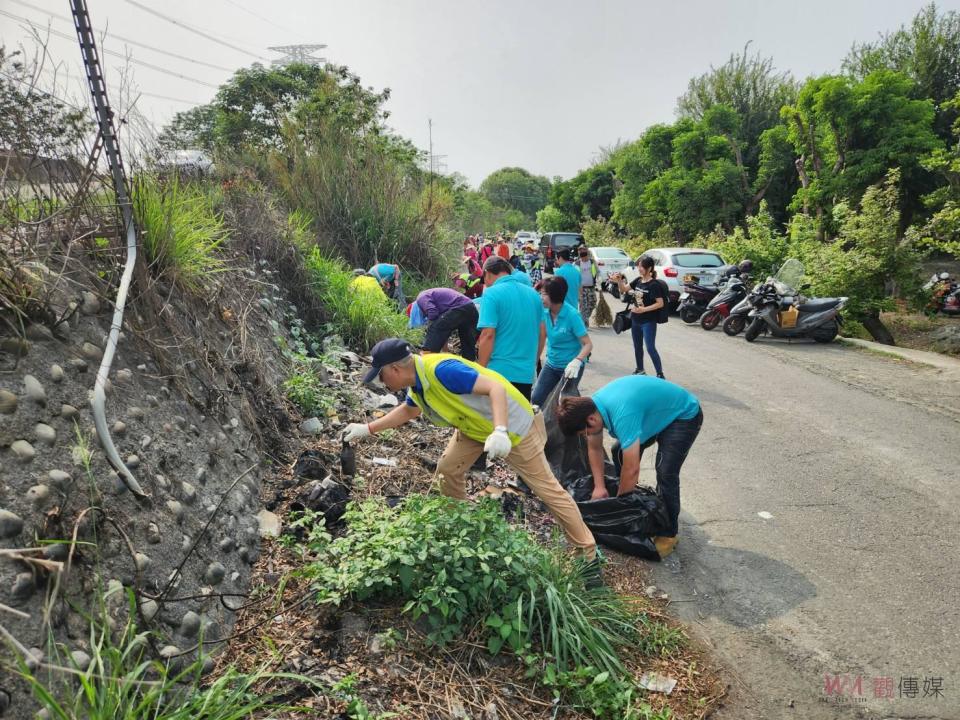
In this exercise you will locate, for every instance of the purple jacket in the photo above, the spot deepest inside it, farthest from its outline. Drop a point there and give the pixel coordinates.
(436, 301)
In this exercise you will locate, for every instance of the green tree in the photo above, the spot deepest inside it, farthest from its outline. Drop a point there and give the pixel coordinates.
(942, 230)
(848, 134)
(588, 194)
(927, 51)
(516, 189)
(550, 219)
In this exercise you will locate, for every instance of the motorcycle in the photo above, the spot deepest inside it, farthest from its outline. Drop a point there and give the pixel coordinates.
(730, 295)
(736, 321)
(779, 311)
(695, 297)
(944, 294)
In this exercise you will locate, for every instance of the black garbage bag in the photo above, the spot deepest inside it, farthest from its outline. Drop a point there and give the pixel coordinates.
(627, 523)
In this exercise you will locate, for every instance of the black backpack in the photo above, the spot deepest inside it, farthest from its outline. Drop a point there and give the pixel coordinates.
(663, 314)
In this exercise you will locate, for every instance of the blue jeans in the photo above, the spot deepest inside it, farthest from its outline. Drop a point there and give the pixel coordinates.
(547, 380)
(645, 333)
(673, 444)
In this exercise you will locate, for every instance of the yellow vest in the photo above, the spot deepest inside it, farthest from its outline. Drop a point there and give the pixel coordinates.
(470, 414)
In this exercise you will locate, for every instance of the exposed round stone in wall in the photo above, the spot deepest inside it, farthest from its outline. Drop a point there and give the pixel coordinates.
(190, 625)
(145, 442)
(132, 461)
(56, 373)
(59, 479)
(8, 402)
(23, 587)
(168, 652)
(143, 561)
(123, 376)
(201, 476)
(40, 333)
(23, 450)
(57, 551)
(215, 573)
(135, 412)
(68, 412)
(153, 534)
(167, 428)
(80, 659)
(78, 365)
(117, 485)
(18, 347)
(188, 492)
(45, 434)
(34, 389)
(91, 303)
(32, 662)
(176, 508)
(226, 545)
(152, 401)
(162, 482)
(91, 351)
(38, 495)
(119, 428)
(207, 665)
(187, 542)
(235, 578)
(149, 609)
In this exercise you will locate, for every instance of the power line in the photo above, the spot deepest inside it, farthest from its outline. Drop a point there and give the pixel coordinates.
(35, 89)
(194, 30)
(158, 68)
(128, 40)
(260, 17)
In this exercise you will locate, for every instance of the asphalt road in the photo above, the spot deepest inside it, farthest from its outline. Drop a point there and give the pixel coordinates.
(856, 458)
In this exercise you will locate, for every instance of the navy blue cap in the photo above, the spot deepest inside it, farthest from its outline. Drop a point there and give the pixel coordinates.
(385, 352)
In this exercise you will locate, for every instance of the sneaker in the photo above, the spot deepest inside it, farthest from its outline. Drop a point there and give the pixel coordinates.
(639, 372)
(660, 375)
(665, 545)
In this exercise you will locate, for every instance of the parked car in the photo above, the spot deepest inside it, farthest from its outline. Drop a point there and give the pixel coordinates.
(609, 259)
(525, 237)
(674, 264)
(552, 242)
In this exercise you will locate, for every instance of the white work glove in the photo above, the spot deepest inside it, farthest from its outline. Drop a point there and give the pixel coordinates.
(498, 444)
(356, 431)
(573, 368)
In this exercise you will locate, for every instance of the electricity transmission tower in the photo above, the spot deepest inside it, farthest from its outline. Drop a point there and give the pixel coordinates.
(298, 54)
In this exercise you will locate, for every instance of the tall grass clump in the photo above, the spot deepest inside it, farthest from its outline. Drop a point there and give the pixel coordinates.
(124, 680)
(366, 203)
(181, 227)
(469, 572)
(361, 316)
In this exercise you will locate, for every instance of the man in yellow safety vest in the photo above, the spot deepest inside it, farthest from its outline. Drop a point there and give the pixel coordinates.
(489, 414)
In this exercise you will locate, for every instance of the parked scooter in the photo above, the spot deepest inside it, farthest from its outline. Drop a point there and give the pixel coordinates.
(695, 297)
(944, 294)
(730, 296)
(739, 316)
(779, 311)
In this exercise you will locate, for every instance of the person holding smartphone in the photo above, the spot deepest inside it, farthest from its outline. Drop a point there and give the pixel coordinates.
(648, 298)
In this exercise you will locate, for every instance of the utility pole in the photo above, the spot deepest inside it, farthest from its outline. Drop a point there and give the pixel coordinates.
(302, 54)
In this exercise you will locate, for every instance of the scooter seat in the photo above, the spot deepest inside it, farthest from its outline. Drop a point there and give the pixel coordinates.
(812, 306)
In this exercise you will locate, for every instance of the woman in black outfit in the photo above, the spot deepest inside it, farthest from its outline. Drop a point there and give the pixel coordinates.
(649, 297)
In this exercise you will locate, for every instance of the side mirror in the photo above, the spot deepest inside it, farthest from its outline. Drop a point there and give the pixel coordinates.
(633, 263)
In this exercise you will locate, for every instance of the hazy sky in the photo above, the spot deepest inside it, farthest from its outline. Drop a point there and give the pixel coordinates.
(540, 84)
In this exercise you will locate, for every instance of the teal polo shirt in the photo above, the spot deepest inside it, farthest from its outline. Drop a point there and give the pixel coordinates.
(571, 274)
(513, 309)
(639, 407)
(563, 336)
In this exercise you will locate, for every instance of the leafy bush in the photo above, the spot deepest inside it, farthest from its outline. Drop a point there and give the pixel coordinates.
(361, 317)
(760, 242)
(307, 389)
(181, 227)
(465, 569)
(605, 697)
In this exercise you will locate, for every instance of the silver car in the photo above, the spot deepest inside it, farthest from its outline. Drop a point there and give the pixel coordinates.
(676, 263)
(609, 259)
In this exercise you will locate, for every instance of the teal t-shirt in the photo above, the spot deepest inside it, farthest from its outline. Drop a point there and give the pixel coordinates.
(513, 309)
(522, 277)
(570, 273)
(383, 271)
(638, 407)
(563, 336)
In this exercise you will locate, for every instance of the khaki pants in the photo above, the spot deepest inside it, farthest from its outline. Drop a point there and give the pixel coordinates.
(528, 460)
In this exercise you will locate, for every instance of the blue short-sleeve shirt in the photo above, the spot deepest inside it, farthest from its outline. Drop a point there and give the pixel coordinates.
(638, 407)
(514, 310)
(563, 336)
(571, 274)
(384, 271)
